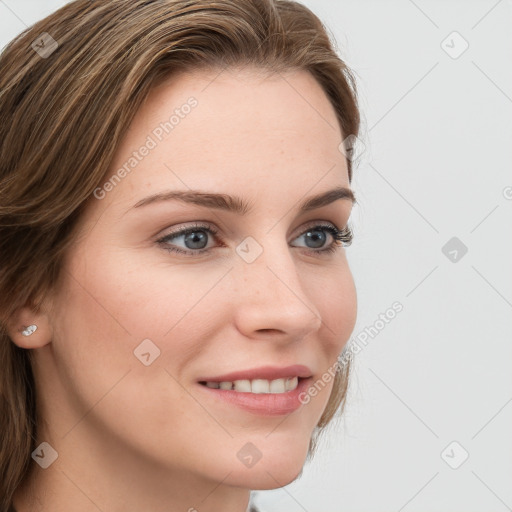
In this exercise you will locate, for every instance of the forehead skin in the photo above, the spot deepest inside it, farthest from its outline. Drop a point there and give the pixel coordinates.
(215, 145)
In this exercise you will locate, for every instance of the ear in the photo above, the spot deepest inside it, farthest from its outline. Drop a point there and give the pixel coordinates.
(21, 331)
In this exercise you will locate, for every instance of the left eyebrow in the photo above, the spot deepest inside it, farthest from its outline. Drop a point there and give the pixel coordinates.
(237, 205)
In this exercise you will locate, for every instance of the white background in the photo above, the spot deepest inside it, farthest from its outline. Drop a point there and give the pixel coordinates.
(437, 132)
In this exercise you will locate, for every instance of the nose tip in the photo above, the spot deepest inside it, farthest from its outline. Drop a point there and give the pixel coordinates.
(276, 303)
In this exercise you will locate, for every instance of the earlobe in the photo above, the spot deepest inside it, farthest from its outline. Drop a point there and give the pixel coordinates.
(29, 329)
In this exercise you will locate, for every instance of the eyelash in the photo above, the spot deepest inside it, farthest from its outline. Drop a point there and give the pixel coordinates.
(345, 236)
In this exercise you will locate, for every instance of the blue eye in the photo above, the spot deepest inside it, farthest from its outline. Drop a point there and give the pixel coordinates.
(196, 237)
(317, 235)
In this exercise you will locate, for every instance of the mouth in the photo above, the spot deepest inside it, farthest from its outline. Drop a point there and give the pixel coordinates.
(256, 386)
(266, 390)
(257, 396)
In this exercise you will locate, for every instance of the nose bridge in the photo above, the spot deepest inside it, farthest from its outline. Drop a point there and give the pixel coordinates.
(271, 295)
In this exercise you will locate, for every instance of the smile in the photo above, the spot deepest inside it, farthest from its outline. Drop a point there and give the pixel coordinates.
(258, 396)
(256, 386)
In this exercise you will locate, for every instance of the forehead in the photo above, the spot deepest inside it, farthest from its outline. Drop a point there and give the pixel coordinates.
(233, 129)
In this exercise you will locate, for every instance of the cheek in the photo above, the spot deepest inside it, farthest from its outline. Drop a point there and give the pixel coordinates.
(105, 311)
(334, 294)
(134, 297)
(335, 297)
(111, 304)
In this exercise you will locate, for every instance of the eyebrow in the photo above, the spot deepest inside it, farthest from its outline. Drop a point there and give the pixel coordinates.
(237, 205)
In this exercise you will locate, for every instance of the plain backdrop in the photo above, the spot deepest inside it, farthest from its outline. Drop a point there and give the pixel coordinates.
(428, 421)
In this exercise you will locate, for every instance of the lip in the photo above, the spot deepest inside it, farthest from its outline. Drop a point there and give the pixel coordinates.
(262, 404)
(263, 372)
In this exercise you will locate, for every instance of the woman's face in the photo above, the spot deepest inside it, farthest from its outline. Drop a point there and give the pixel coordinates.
(145, 315)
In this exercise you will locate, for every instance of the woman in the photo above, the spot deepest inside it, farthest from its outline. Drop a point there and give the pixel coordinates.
(174, 289)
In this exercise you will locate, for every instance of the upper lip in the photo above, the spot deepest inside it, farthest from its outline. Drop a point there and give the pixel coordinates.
(263, 372)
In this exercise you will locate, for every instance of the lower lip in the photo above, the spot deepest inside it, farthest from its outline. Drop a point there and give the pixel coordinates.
(266, 404)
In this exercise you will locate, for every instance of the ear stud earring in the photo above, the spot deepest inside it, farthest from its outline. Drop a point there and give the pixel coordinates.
(29, 330)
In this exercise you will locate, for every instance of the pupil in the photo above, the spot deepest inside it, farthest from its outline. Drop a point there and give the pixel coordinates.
(196, 240)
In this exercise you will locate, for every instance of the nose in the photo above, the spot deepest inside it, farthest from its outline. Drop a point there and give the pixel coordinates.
(271, 298)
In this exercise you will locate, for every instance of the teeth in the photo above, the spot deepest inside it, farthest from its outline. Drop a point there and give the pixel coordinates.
(291, 383)
(242, 385)
(257, 385)
(260, 386)
(277, 386)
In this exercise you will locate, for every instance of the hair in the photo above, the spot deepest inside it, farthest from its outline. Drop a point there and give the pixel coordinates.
(65, 113)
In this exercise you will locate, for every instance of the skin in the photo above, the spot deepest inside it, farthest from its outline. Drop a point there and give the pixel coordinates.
(131, 437)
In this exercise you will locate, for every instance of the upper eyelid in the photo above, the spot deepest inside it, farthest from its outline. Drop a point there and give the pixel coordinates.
(210, 226)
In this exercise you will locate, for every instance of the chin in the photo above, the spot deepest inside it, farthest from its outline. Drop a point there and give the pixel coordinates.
(264, 478)
(276, 468)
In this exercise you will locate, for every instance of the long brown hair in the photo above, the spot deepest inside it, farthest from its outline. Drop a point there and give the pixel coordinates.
(69, 87)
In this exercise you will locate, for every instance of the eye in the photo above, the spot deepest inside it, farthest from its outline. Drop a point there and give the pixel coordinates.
(195, 239)
(316, 237)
